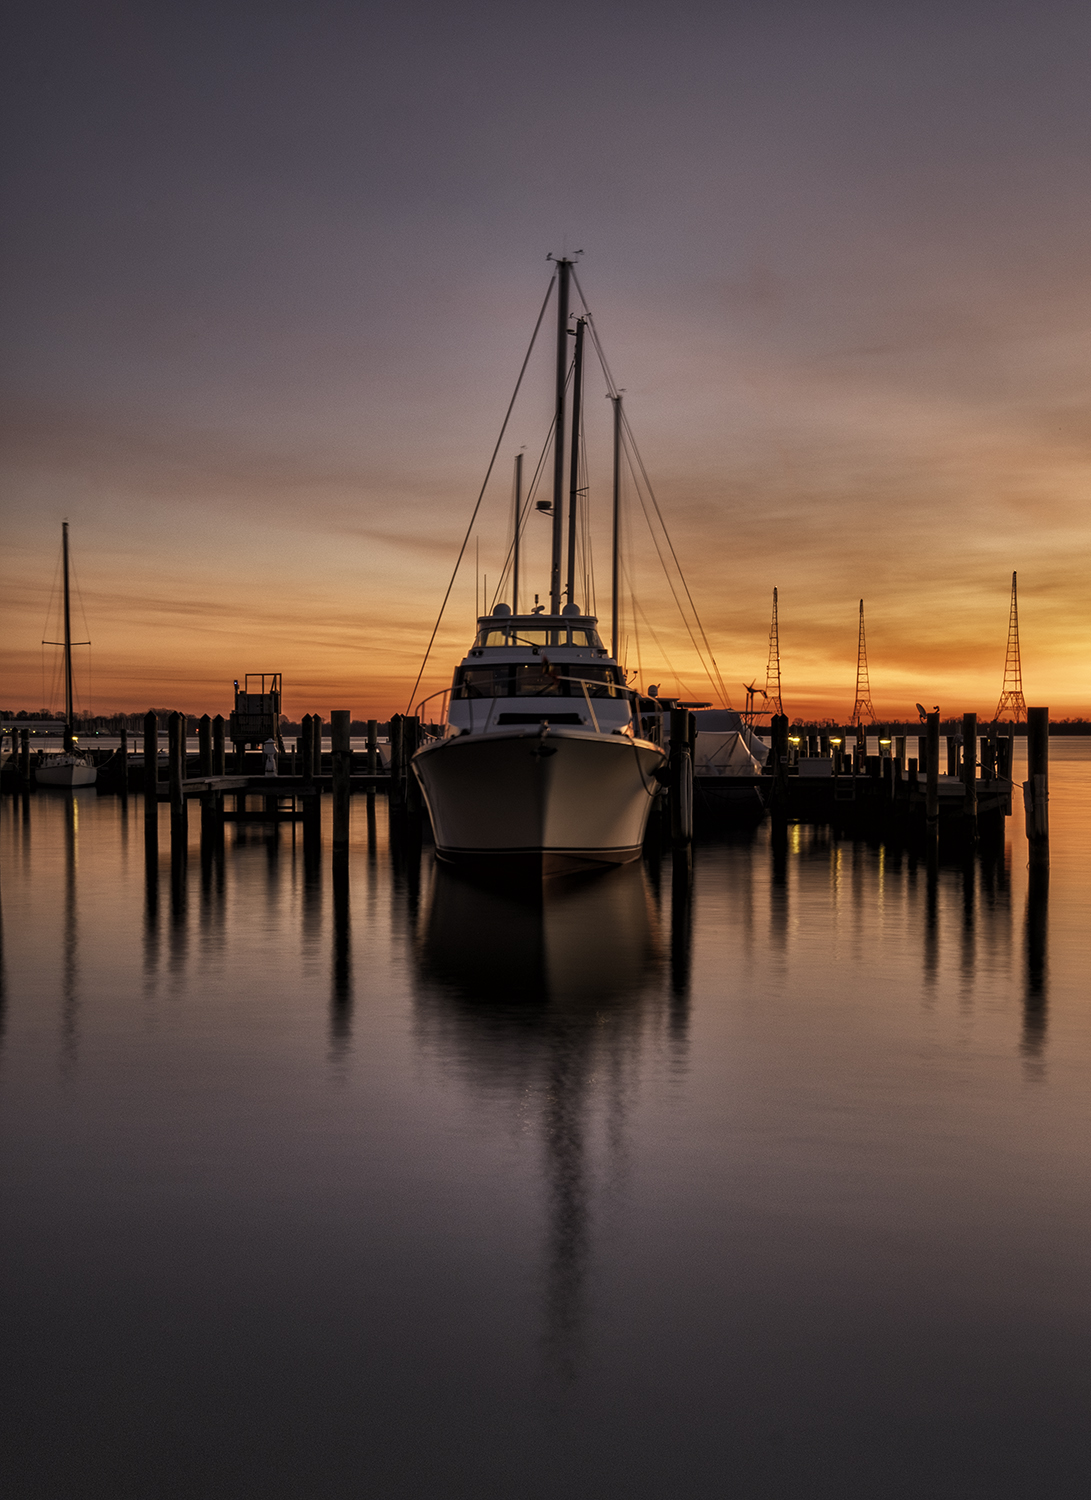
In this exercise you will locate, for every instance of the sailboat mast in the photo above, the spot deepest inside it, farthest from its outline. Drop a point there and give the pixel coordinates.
(564, 268)
(67, 637)
(616, 545)
(518, 521)
(574, 472)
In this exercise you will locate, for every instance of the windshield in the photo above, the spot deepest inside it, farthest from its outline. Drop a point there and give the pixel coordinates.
(516, 633)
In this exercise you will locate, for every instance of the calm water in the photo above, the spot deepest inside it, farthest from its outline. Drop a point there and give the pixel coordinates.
(394, 1186)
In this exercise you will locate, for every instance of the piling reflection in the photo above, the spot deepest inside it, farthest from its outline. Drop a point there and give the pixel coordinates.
(70, 941)
(341, 989)
(1035, 991)
(540, 993)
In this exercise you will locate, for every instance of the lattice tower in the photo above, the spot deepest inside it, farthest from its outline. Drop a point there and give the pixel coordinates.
(862, 707)
(772, 669)
(1011, 698)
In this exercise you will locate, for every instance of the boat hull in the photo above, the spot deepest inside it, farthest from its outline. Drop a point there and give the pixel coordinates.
(554, 802)
(70, 775)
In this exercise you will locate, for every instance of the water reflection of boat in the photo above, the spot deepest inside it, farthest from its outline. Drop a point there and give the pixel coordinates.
(590, 939)
(542, 995)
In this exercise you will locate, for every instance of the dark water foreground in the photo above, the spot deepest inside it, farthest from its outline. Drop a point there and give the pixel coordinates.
(775, 1185)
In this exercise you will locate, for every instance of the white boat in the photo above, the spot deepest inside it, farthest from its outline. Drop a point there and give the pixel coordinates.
(65, 770)
(73, 767)
(542, 760)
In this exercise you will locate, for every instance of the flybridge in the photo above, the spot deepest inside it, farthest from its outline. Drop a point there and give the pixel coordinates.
(504, 629)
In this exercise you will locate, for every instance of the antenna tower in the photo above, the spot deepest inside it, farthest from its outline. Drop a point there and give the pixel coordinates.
(1012, 701)
(862, 707)
(772, 670)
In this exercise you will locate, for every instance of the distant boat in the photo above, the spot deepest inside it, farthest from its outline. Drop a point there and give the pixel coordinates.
(543, 761)
(72, 767)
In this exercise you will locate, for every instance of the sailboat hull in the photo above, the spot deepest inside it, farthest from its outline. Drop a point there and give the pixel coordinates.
(66, 775)
(563, 800)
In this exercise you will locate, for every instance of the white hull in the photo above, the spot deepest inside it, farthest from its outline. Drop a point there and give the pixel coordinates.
(68, 775)
(563, 800)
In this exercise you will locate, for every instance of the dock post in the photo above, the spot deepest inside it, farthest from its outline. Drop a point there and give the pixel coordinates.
(123, 751)
(151, 778)
(219, 752)
(372, 748)
(932, 792)
(316, 753)
(952, 755)
(176, 761)
(778, 733)
(396, 758)
(681, 774)
(24, 755)
(1036, 786)
(899, 750)
(969, 773)
(1004, 756)
(306, 739)
(411, 743)
(340, 725)
(204, 744)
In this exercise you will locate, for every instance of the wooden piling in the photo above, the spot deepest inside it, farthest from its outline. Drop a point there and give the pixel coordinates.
(778, 726)
(681, 778)
(341, 722)
(860, 759)
(372, 748)
(1036, 786)
(151, 776)
(219, 751)
(176, 770)
(952, 755)
(969, 773)
(204, 744)
(397, 769)
(411, 743)
(306, 740)
(932, 790)
(1003, 755)
(24, 755)
(316, 738)
(123, 754)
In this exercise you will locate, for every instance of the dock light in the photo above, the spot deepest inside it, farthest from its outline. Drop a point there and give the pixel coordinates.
(836, 742)
(884, 742)
(793, 739)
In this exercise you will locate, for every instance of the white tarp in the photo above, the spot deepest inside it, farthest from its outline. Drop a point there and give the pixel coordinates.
(724, 755)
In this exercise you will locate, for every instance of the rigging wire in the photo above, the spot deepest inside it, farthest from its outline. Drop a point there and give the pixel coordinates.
(714, 674)
(481, 494)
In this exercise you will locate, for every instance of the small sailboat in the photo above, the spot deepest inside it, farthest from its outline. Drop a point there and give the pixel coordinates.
(544, 762)
(72, 767)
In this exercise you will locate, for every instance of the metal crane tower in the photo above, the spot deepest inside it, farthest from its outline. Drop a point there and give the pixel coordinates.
(1012, 701)
(772, 669)
(862, 706)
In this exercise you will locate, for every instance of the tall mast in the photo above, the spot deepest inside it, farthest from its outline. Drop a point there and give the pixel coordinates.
(616, 545)
(564, 268)
(574, 473)
(518, 519)
(67, 638)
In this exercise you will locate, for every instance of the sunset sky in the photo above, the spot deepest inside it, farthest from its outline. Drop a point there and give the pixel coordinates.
(269, 272)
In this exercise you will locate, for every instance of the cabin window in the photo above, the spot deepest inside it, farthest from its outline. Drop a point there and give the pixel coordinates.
(537, 680)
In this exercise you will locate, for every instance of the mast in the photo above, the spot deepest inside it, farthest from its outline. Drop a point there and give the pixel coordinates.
(616, 546)
(564, 268)
(67, 644)
(518, 519)
(574, 474)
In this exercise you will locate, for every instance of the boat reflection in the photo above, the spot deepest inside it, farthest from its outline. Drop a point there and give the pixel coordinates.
(546, 994)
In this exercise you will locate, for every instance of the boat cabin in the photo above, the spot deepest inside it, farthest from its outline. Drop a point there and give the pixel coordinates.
(537, 668)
